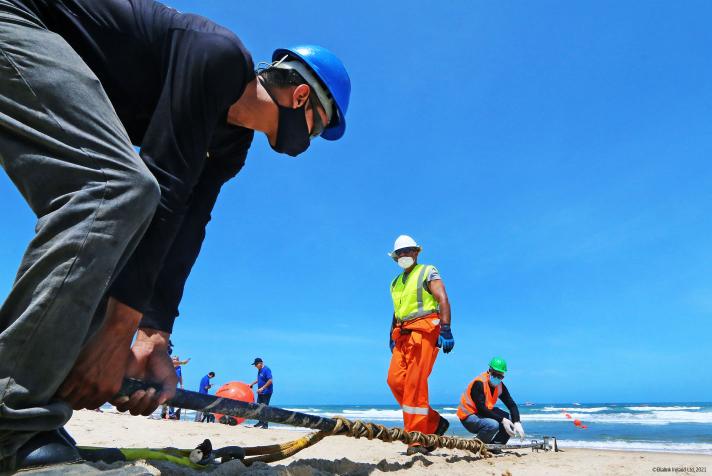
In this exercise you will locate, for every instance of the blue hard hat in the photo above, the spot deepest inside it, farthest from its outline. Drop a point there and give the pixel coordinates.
(332, 73)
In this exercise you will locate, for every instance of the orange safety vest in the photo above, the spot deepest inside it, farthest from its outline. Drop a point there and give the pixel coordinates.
(467, 406)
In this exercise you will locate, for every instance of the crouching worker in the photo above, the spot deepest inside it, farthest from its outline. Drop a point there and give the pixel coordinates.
(477, 410)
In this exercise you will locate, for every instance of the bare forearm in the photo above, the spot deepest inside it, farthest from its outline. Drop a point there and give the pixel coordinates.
(153, 338)
(120, 319)
(437, 288)
(445, 312)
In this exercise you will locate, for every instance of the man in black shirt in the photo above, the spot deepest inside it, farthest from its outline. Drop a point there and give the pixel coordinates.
(477, 410)
(116, 237)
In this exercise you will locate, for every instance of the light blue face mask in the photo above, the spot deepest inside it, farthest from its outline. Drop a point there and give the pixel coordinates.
(495, 381)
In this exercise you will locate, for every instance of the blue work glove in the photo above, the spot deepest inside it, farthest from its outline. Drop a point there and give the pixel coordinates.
(446, 340)
(392, 344)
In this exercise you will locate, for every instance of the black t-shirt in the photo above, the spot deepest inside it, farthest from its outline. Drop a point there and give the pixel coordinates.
(171, 78)
(477, 394)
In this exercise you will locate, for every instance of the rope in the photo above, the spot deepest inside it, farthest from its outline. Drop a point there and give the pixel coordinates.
(204, 454)
(359, 429)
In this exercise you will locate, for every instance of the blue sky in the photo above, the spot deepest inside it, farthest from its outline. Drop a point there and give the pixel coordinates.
(553, 159)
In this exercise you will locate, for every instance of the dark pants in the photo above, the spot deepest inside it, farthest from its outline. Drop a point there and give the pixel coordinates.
(263, 399)
(69, 156)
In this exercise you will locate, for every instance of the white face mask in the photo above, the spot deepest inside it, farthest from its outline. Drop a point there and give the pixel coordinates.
(405, 262)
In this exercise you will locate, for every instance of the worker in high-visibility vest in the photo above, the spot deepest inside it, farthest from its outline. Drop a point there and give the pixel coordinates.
(421, 324)
(477, 410)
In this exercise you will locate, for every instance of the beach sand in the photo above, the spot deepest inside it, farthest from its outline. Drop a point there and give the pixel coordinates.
(348, 456)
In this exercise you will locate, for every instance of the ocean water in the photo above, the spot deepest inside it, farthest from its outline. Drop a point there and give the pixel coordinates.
(674, 427)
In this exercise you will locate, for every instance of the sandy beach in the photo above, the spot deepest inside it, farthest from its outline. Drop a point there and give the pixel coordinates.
(347, 456)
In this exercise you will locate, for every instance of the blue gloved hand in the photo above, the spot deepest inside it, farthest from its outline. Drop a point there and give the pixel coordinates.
(446, 340)
(392, 344)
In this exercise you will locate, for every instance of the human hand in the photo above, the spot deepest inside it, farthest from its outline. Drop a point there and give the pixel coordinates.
(519, 430)
(446, 340)
(508, 426)
(149, 361)
(99, 370)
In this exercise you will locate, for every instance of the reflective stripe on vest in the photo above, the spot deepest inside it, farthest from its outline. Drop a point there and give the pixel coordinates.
(467, 406)
(411, 299)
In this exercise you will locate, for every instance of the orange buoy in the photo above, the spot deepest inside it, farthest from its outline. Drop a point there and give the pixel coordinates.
(236, 391)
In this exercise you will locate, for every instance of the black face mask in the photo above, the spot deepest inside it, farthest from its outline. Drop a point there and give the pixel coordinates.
(292, 130)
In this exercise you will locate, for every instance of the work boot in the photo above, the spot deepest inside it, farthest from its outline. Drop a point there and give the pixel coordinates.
(443, 425)
(417, 449)
(46, 449)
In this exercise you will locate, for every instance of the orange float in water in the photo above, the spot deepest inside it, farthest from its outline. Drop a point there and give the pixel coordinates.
(236, 391)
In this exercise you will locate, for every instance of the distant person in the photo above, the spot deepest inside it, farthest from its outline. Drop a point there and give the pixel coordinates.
(174, 414)
(205, 386)
(164, 406)
(421, 324)
(177, 363)
(264, 387)
(477, 410)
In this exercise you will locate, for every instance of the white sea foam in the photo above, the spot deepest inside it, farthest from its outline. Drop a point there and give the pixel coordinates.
(649, 408)
(304, 410)
(372, 414)
(664, 417)
(575, 409)
(620, 445)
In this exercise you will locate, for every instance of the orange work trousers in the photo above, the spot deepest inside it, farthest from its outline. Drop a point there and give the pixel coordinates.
(411, 363)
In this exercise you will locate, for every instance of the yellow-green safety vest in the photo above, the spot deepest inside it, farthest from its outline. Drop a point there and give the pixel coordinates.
(412, 299)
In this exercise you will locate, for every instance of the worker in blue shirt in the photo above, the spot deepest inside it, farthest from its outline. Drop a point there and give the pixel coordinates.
(204, 387)
(264, 387)
(205, 383)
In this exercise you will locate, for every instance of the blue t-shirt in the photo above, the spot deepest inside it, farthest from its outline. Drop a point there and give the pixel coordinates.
(263, 375)
(204, 382)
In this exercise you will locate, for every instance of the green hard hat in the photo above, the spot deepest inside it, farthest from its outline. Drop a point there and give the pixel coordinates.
(498, 364)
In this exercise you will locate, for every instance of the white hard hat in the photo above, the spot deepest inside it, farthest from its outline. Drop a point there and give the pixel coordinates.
(403, 241)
